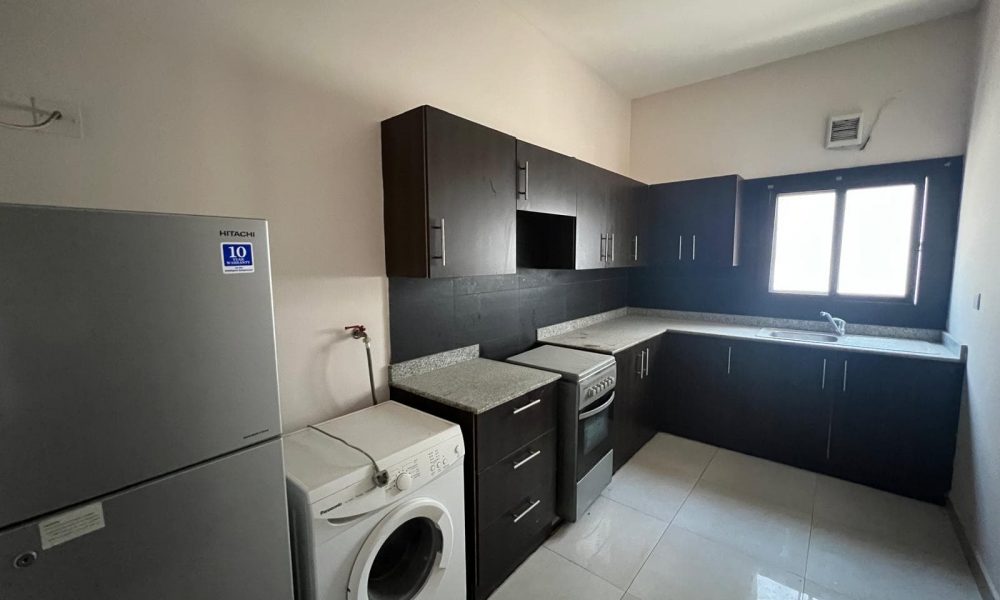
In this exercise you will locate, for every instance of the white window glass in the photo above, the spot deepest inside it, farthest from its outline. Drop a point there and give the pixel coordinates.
(877, 241)
(803, 242)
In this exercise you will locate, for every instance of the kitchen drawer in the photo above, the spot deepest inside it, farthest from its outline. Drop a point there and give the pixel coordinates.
(506, 428)
(505, 544)
(501, 487)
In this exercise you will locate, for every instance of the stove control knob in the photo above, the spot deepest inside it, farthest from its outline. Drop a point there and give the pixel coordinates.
(404, 481)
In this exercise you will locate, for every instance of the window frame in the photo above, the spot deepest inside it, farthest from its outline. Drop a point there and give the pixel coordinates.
(840, 187)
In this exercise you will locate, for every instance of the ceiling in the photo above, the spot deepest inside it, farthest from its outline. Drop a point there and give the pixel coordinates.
(646, 46)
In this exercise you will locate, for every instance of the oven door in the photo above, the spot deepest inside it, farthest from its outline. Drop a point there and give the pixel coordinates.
(594, 437)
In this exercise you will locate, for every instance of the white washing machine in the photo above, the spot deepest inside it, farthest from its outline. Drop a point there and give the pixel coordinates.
(356, 540)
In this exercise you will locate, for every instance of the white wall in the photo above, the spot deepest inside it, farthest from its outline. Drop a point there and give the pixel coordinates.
(976, 484)
(771, 120)
(272, 109)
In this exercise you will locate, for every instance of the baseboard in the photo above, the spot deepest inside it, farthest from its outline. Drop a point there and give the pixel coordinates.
(986, 587)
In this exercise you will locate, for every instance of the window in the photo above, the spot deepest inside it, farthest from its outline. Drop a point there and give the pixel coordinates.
(857, 242)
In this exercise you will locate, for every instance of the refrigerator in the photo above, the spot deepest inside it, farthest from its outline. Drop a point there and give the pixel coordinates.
(140, 453)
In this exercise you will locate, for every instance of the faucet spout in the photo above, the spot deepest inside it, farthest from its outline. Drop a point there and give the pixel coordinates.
(839, 325)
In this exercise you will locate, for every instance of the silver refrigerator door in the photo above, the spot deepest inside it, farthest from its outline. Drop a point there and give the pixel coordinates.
(126, 350)
(218, 531)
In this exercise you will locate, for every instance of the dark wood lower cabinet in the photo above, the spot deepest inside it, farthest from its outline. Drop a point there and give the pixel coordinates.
(884, 421)
(637, 393)
(510, 481)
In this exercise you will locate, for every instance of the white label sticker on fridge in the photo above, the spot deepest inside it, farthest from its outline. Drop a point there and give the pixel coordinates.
(71, 525)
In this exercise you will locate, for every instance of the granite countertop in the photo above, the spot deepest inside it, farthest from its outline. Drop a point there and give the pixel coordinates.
(614, 335)
(476, 385)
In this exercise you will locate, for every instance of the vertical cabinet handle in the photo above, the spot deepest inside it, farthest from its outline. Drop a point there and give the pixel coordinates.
(640, 357)
(648, 352)
(694, 247)
(822, 383)
(680, 247)
(729, 362)
(611, 247)
(604, 247)
(438, 226)
(522, 171)
(844, 388)
(635, 248)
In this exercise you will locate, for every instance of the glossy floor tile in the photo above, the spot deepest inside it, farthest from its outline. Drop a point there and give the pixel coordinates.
(548, 576)
(686, 566)
(661, 475)
(760, 528)
(687, 521)
(611, 540)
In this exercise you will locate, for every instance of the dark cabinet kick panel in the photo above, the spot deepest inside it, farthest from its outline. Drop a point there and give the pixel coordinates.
(510, 481)
(883, 421)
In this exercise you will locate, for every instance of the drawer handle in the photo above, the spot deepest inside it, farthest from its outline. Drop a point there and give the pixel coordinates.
(527, 510)
(527, 406)
(525, 460)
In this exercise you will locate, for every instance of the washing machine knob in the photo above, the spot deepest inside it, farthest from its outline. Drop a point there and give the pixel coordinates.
(404, 481)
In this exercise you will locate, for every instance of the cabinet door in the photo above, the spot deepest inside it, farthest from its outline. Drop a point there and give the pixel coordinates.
(471, 197)
(670, 226)
(626, 390)
(624, 221)
(701, 404)
(546, 181)
(782, 401)
(642, 244)
(591, 217)
(894, 423)
(653, 392)
(715, 223)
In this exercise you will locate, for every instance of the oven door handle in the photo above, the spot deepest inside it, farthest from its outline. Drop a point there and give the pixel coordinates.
(586, 415)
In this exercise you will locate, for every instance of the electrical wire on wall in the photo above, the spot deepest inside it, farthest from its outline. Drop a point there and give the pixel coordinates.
(52, 116)
(871, 129)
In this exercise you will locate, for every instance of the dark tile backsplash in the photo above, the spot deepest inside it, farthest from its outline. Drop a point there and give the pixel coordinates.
(498, 312)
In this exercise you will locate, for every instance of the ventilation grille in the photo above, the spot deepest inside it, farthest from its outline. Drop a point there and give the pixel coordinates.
(844, 130)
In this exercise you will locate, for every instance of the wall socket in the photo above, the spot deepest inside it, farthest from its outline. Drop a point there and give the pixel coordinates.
(27, 110)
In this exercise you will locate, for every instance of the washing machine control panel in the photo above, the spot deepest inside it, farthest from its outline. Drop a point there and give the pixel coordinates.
(404, 477)
(416, 471)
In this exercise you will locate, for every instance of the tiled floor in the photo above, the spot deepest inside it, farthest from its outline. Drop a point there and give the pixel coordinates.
(687, 521)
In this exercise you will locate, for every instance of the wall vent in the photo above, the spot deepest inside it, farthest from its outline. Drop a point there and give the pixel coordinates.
(844, 131)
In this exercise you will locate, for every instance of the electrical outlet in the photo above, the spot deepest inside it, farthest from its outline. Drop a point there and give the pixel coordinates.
(28, 110)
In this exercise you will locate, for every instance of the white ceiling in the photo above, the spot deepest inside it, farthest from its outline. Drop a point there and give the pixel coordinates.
(647, 46)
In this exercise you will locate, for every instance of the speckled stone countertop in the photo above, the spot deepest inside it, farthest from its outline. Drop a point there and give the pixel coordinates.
(614, 335)
(476, 385)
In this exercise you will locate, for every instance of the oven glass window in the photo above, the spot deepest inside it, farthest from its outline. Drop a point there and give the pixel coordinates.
(595, 431)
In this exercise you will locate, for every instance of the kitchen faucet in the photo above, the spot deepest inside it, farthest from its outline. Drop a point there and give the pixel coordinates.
(839, 325)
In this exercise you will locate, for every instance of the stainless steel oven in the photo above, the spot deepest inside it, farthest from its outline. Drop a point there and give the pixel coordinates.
(586, 422)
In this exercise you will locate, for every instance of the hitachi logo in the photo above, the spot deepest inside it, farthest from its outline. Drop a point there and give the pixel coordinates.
(231, 233)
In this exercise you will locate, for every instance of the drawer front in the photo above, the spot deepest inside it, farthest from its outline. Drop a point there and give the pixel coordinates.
(505, 544)
(506, 428)
(502, 487)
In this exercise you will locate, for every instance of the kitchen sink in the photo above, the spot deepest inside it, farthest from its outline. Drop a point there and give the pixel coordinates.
(801, 336)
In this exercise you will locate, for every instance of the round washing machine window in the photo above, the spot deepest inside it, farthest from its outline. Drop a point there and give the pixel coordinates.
(406, 554)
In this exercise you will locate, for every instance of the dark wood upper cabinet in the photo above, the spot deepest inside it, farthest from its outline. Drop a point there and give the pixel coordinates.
(592, 216)
(450, 196)
(697, 223)
(546, 181)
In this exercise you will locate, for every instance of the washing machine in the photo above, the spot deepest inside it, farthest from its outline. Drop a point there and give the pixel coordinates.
(356, 538)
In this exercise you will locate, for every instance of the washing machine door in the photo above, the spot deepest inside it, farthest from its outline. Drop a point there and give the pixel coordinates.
(406, 554)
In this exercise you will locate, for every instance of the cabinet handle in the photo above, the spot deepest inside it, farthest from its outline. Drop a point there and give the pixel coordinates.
(641, 358)
(844, 389)
(635, 248)
(526, 460)
(528, 405)
(822, 384)
(611, 247)
(729, 362)
(604, 248)
(522, 171)
(680, 247)
(694, 247)
(527, 510)
(647, 361)
(438, 224)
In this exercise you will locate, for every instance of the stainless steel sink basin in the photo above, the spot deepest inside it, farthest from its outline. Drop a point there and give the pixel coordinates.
(803, 336)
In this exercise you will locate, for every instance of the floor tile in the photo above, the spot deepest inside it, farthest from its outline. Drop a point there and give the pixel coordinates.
(659, 477)
(814, 591)
(871, 566)
(686, 566)
(548, 576)
(755, 477)
(611, 540)
(902, 520)
(768, 532)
